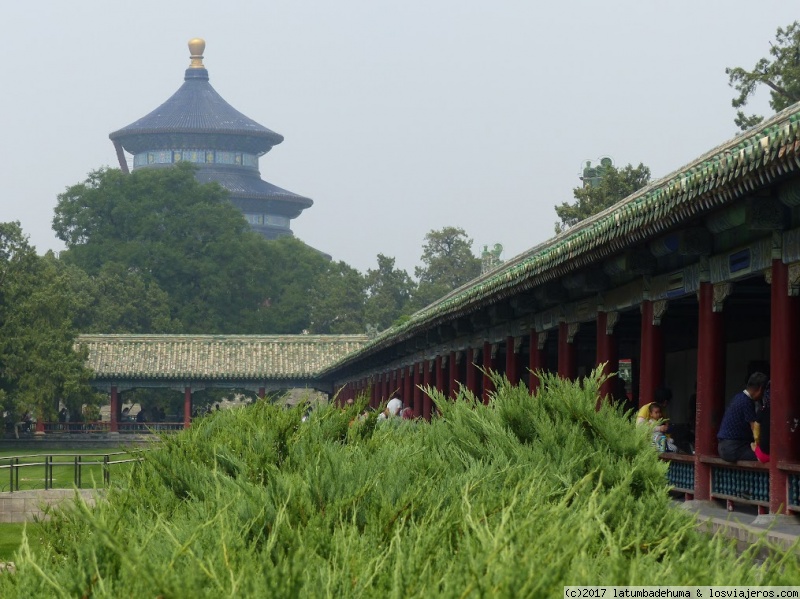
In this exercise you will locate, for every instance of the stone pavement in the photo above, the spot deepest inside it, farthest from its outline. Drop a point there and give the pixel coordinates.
(23, 506)
(744, 524)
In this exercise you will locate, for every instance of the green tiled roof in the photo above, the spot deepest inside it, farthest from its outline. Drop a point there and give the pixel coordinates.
(215, 357)
(729, 171)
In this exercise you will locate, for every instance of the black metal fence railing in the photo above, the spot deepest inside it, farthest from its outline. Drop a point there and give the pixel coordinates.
(150, 427)
(105, 427)
(48, 464)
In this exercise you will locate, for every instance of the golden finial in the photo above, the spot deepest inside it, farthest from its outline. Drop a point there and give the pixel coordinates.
(196, 47)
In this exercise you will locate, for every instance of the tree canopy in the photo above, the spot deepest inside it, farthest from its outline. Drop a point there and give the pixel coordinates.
(118, 300)
(389, 292)
(292, 272)
(38, 366)
(614, 185)
(181, 246)
(337, 302)
(780, 72)
(447, 263)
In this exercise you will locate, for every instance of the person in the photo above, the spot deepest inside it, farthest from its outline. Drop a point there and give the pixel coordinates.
(736, 431)
(761, 432)
(621, 397)
(660, 439)
(141, 417)
(662, 397)
(307, 408)
(407, 414)
(392, 409)
(24, 425)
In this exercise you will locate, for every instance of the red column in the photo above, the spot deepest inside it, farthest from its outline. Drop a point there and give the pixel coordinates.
(262, 392)
(784, 354)
(607, 353)
(453, 378)
(472, 372)
(426, 383)
(651, 356)
(187, 407)
(406, 377)
(114, 410)
(488, 365)
(512, 372)
(537, 361)
(384, 388)
(417, 392)
(338, 396)
(710, 387)
(566, 353)
(400, 384)
(441, 385)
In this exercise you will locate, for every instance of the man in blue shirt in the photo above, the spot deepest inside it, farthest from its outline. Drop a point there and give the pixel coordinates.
(736, 431)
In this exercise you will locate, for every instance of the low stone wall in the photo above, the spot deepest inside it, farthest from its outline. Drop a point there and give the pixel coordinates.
(23, 506)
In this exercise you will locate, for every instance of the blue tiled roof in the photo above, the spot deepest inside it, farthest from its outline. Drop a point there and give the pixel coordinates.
(196, 108)
(242, 184)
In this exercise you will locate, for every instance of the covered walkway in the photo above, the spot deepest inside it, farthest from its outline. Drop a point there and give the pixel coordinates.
(188, 363)
(691, 283)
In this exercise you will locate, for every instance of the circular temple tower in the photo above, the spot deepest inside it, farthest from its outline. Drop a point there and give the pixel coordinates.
(196, 125)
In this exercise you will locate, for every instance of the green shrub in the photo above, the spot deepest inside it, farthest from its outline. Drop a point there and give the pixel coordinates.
(516, 498)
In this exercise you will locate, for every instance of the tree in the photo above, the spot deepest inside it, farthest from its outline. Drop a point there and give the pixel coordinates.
(116, 300)
(615, 184)
(780, 73)
(38, 365)
(179, 236)
(447, 263)
(389, 292)
(338, 300)
(294, 272)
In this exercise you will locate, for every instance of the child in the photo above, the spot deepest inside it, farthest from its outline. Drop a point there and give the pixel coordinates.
(660, 439)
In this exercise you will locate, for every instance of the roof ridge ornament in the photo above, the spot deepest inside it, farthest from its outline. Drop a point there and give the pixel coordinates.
(197, 46)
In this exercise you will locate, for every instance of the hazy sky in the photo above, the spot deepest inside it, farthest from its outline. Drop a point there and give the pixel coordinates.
(399, 117)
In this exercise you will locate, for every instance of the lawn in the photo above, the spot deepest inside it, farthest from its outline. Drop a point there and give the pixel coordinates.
(11, 537)
(64, 469)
